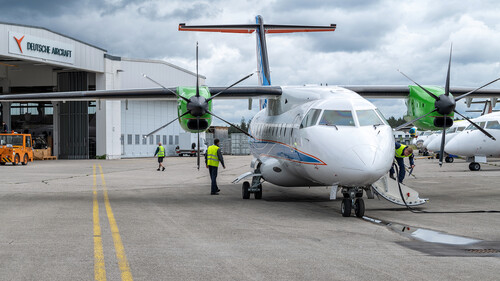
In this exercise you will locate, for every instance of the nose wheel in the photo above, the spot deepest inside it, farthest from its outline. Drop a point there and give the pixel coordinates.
(352, 200)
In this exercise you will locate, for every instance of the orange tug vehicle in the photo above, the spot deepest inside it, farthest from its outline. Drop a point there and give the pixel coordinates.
(15, 148)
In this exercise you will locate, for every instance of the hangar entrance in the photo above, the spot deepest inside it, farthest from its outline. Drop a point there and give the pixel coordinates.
(74, 122)
(74, 119)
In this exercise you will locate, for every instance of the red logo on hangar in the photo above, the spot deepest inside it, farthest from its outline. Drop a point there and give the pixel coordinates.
(19, 43)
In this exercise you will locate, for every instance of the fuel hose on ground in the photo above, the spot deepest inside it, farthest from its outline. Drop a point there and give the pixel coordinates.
(395, 166)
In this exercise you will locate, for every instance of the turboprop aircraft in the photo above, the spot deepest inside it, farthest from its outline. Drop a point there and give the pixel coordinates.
(451, 132)
(305, 136)
(474, 145)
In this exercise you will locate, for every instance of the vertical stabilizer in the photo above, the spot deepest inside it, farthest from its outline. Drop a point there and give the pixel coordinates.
(260, 30)
(262, 58)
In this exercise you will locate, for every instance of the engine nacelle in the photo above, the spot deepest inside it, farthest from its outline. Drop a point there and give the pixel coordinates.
(440, 121)
(189, 122)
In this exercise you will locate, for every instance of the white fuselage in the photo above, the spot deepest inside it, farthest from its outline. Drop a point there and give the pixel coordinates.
(458, 126)
(298, 142)
(472, 142)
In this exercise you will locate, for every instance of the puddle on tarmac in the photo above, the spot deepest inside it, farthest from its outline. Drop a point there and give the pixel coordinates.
(425, 235)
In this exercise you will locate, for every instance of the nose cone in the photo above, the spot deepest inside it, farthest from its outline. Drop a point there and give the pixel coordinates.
(365, 164)
(434, 145)
(456, 146)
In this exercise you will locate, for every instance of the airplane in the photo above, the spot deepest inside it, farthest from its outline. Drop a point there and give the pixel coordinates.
(451, 132)
(474, 145)
(304, 135)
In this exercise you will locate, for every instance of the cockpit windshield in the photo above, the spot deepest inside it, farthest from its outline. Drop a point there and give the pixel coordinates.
(451, 130)
(311, 118)
(337, 118)
(13, 140)
(368, 118)
(472, 127)
(493, 125)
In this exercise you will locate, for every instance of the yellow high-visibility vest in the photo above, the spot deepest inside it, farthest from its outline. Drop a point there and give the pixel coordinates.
(161, 151)
(399, 152)
(212, 159)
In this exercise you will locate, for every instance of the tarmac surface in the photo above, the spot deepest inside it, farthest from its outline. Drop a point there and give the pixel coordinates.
(112, 219)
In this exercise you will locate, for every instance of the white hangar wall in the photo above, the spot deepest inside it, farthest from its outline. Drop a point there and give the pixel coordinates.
(140, 117)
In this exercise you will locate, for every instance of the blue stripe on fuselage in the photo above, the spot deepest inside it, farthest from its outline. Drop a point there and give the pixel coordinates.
(282, 151)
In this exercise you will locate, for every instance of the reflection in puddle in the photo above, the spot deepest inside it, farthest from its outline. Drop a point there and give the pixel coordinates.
(425, 235)
(438, 237)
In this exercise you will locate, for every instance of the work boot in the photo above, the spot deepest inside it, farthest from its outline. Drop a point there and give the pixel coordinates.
(158, 169)
(163, 169)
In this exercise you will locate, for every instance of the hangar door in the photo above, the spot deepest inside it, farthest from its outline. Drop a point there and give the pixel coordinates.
(73, 117)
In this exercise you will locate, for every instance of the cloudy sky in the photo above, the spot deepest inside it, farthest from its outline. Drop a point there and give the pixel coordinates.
(373, 39)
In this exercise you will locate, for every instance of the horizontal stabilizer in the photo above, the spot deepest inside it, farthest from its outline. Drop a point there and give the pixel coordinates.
(388, 188)
(250, 28)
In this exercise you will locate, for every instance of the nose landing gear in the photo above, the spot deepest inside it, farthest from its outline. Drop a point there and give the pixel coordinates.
(352, 200)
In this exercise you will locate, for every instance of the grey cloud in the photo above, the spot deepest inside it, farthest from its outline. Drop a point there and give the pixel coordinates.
(300, 5)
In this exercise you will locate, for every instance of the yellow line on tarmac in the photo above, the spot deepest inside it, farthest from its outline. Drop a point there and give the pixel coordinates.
(120, 250)
(99, 269)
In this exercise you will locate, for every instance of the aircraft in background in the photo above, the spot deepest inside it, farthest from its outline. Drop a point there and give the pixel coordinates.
(474, 145)
(451, 132)
(306, 135)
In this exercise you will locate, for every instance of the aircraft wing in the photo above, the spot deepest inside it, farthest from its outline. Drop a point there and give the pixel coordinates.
(141, 94)
(376, 91)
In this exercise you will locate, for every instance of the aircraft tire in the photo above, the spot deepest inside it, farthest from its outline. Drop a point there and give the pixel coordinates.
(449, 159)
(474, 166)
(244, 190)
(258, 194)
(345, 207)
(359, 208)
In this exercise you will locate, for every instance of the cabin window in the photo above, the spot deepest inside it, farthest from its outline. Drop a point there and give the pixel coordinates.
(493, 125)
(337, 118)
(472, 127)
(28, 141)
(311, 118)
(368, 118)
(460, 129)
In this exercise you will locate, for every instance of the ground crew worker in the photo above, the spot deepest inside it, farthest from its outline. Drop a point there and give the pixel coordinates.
(402, 151)
(212, 159)
(160, 150)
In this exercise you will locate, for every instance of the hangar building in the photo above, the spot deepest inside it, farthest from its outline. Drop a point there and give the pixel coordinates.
(36, 60)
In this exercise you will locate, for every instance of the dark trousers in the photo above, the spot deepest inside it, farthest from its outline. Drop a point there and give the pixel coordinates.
(402, 172)
(213, 176)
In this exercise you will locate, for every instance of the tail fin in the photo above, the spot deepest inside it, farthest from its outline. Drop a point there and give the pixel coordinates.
(261, 30)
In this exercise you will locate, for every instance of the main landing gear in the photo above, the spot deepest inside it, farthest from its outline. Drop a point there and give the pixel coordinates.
(474, 166)
(255, 188)
(352, 200)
